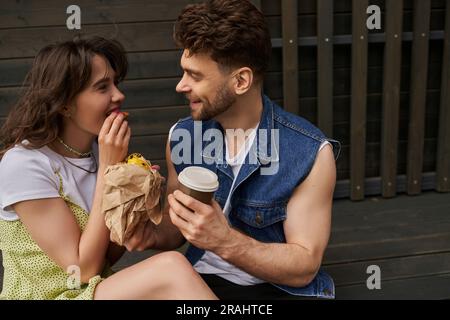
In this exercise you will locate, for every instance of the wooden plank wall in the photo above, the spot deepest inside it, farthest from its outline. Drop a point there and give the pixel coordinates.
(145, 27)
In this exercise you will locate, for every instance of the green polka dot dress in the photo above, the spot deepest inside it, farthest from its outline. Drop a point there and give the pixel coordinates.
(30, 273)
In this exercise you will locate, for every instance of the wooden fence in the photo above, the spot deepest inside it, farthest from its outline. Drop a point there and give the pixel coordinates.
(393, 37)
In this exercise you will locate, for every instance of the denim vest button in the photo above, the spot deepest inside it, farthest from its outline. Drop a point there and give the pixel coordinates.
(258, 218)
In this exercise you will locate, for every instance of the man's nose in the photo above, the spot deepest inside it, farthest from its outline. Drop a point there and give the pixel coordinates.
(182, 86)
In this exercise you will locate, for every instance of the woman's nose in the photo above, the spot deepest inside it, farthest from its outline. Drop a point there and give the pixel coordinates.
(118, 96)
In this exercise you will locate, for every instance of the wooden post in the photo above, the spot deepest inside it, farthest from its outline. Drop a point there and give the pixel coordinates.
(391, 96)
(443, 150)
(325, 66)
(358, 99)
(419, 72)
(290, 55)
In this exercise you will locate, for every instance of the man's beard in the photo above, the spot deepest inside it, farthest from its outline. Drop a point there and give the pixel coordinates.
(223, 101)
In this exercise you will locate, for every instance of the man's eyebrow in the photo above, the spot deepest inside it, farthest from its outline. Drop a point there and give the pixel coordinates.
(191, 71)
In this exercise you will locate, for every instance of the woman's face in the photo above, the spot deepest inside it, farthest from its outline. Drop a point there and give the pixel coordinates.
(100, 97)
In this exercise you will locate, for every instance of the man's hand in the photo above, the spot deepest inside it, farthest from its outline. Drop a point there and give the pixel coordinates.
(204, 226)
(143, 238)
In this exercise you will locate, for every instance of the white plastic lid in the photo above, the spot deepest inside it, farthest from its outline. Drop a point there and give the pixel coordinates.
(199, 178)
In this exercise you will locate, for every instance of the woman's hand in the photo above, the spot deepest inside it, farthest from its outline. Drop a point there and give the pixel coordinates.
(113, 140)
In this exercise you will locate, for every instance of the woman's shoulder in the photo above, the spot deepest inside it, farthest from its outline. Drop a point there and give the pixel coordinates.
(20, 157)
(25, 174)
(20, 151)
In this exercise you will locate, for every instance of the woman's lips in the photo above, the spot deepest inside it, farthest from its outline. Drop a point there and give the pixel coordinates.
(112, 111)
(125, 114)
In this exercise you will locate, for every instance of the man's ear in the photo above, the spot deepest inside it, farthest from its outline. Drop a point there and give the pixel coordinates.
(243, 80)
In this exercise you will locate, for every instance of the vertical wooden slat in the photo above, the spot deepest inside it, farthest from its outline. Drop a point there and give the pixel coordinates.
(358, 99)
(290, 55)
(419, 71)
(391, 96)
(443, 151)
(325, 66)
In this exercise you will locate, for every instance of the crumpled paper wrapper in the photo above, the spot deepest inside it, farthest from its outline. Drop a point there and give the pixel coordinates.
(131, 196)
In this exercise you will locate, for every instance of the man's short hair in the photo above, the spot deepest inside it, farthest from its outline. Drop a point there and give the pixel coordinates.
(233, 32)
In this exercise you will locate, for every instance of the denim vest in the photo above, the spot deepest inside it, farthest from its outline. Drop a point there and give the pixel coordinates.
(271, 172)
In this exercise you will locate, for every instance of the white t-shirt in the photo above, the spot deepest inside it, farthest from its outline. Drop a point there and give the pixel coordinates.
(211, 263)
(28, 174)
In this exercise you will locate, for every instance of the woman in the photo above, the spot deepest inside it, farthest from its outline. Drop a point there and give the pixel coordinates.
(52, 231)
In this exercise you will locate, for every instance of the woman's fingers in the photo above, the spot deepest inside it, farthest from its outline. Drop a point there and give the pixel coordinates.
(126, 140)
(119, 131)
(114, 138)
(116, 125)
(107, 124)
(123, 130)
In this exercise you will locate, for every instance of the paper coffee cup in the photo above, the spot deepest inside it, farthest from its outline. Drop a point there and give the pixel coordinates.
(199, 183)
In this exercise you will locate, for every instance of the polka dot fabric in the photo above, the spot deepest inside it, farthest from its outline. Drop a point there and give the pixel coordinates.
(29, 273)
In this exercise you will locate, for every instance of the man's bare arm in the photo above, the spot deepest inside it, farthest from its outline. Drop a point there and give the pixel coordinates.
(307, 230)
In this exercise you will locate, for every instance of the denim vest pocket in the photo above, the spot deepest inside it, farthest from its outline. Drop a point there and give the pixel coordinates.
(264, 223)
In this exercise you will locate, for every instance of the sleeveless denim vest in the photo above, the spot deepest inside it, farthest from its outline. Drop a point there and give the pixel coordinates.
(280, 159)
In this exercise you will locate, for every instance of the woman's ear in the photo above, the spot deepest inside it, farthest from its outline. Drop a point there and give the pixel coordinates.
(66, 112)
(243, 80)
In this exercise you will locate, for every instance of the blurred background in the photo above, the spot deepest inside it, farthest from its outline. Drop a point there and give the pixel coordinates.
(383, 93)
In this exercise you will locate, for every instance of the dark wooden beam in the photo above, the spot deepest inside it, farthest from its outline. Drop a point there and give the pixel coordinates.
(443, 151)
(391, 96)
(347, 39)
(359, 99)
(290, 55)
(419, 73)
(373, 186)
(325, 66)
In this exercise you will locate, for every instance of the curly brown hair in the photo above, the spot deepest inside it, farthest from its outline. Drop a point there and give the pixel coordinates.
(59, 73)
(233, 32)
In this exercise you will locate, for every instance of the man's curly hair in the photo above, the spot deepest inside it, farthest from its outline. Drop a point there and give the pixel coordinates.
(233, 32)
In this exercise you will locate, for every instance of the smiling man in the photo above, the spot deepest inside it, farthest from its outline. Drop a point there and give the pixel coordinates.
(265, 233)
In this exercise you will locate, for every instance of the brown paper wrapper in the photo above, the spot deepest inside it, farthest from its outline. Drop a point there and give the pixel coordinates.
(131, 196)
